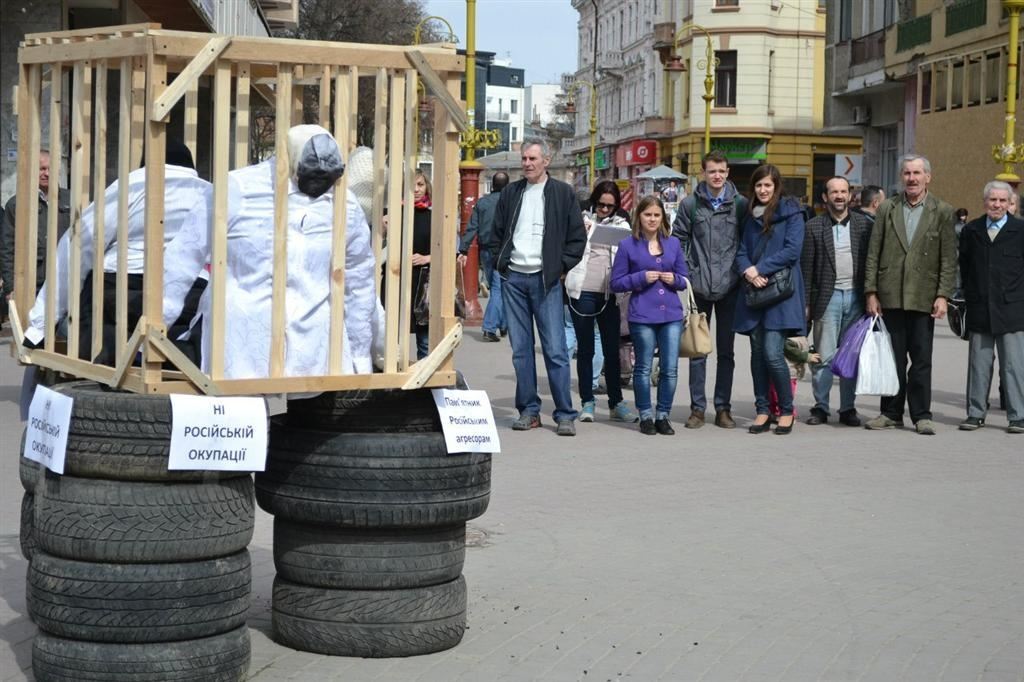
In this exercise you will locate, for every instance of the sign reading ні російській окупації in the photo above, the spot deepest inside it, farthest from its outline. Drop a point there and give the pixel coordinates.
(218, 434)
(46, 435)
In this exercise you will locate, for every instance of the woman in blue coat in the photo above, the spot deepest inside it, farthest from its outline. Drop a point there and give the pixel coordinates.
(772, 239)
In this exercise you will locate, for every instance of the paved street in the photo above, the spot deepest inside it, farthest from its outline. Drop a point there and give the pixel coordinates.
(832, 554)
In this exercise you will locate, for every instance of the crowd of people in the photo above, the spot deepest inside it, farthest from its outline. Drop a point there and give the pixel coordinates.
(760, 268)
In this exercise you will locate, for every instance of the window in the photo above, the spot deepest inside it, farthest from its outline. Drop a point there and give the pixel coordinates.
(515, 133)
(725, 79)
(845, 20)
(727, 3)
(513, 106)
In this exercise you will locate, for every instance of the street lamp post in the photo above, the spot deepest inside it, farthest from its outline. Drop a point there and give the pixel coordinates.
(424, 104)
(676, 65)
(1010, 153)
(570, 108)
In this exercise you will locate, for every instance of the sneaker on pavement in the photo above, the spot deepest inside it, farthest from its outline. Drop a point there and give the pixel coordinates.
(566, 427)
(818, 416)
(972, 424)
(664, 427)
(526, 422)
(882, 422)
(1016, 426)
(647, 427)
(587, 412)
(624, 413)
(724, 420)
(695, 420)
(490, 337)
(849, 418)
(925, 427)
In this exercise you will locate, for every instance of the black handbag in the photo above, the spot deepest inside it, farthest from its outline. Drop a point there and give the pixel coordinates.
(956, 314)
(780, 285)
(421, 297)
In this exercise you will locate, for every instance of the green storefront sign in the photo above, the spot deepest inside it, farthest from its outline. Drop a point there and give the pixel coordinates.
(600, 158)
(741, 149)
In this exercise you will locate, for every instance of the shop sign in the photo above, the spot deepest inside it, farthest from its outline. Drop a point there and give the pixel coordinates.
(738, 149)
(636, 153)
(600, 158)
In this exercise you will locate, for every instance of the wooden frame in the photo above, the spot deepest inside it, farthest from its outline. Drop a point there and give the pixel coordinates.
(154, 69)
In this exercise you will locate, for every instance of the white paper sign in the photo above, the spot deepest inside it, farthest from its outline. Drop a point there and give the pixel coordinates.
(467, 421)
(608, 235)
(46, 436)
(218, 434)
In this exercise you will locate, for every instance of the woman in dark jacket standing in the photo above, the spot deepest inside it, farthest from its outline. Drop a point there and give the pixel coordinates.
(421, 194)
(772, 239)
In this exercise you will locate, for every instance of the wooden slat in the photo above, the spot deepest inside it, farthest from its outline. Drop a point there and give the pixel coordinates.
(298, 106)
(278, 320)
(380, 131)
(219, 243)
(127, 354)
(153, 259)
(124, 162)
(188, 77)
(192, 117)
(325, 100)
(138, 119)
(437, 88)
(342, 382)
(56, 117)
(69, 52)
(402, 133)
(343, 133)
(242, 131)
(441, 354)
(27, 216)
(77, 368)
(392, 272)
(99, 209)
(77, 143)
(97, 31)
(181, 361)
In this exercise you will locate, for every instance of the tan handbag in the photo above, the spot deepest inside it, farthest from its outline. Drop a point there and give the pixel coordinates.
(695, 341)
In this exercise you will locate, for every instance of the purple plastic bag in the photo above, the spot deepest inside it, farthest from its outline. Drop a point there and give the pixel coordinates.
(846, 359)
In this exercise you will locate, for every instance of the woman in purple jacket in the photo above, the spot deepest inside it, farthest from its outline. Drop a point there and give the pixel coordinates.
(650, 265)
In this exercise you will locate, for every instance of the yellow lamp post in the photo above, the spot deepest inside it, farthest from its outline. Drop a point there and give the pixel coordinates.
(1010, 153)
(708, 64)
(570, 108)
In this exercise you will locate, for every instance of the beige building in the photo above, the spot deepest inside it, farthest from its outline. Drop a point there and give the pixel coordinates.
(769, 90)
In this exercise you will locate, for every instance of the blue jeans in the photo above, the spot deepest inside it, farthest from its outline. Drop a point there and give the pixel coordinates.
(645, 337)
(494, 316)
(724, 310)
(422, 342)
(768, 366)
(592, 312)
(526, 301)
(844, 308)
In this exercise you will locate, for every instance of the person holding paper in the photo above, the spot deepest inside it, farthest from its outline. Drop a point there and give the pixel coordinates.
(650, 265)
(316, 164)
(591, 302)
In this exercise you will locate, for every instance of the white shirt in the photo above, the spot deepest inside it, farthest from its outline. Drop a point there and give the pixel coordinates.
(528, 239)
(184, 193)
(249, 274)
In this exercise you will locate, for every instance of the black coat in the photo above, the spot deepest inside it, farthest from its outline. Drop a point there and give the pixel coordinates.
(818, 259)
(992, 273)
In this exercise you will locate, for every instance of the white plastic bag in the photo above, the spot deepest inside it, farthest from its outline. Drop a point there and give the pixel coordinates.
(876, 369)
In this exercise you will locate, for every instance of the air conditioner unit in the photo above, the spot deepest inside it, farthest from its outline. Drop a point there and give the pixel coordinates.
(861, 115)
(776, 5)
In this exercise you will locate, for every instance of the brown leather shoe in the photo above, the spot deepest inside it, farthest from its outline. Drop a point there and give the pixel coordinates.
(724, 420)
(695, 420)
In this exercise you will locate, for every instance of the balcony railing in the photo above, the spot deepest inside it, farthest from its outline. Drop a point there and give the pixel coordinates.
(867, 48)
(964, 15)
(913, 33)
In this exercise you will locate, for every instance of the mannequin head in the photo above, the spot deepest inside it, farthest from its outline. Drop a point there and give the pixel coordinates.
(314, 159)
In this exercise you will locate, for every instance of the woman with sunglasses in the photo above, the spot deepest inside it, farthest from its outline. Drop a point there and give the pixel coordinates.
(591, 302)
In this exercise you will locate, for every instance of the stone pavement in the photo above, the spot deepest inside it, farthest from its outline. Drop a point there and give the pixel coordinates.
(832, 554)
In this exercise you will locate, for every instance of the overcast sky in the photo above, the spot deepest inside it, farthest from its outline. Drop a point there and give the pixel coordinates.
(537, 35)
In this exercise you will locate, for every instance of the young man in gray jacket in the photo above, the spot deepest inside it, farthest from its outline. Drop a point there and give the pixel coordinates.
(708, 226)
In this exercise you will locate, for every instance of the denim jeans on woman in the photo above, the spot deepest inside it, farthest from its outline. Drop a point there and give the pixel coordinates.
(647, 337)
(589, 309)
(768, 367)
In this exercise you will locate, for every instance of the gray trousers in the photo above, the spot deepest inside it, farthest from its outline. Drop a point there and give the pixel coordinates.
(981, 360)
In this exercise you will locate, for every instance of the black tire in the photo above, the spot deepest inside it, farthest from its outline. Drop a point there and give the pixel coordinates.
(368, 559)
(370, 481)
(138, 603)
(90, 519)
(27, 534)
(221, 658)
(369, 623)
(29, 472)
(123, 436)
(368, 411)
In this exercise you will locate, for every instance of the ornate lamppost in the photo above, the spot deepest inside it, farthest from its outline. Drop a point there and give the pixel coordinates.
(708, 63)
(570, 108)
(424, 106)
(1010, 153)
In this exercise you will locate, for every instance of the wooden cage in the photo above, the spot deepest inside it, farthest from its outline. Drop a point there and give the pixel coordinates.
(155, 69)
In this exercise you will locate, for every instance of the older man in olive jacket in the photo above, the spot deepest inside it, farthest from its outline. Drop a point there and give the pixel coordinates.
(909, 275)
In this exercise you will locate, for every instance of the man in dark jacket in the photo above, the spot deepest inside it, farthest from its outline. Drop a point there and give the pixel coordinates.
(481, 222)
(833, 258)
(708, 226)
(7, 255)
(538, 236)
(992, 272)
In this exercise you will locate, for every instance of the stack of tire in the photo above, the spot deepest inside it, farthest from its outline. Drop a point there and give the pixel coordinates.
(370, 519)
(137, 573)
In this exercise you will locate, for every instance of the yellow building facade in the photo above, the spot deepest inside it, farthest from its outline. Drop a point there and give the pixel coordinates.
(769, 91)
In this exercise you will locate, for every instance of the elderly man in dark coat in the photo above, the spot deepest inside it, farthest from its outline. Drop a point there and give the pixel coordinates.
(992, 271)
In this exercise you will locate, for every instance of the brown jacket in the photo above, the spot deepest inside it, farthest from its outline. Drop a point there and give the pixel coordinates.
(911, 276)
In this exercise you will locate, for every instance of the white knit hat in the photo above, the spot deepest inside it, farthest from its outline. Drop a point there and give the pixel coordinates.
(360, 178)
